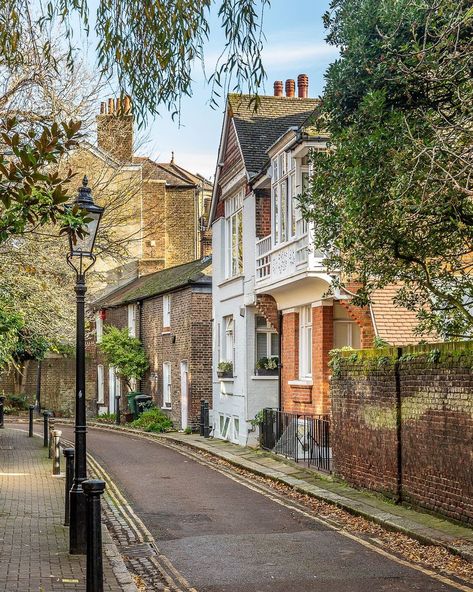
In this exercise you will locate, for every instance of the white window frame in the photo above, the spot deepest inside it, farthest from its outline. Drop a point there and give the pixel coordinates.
(132, 316)
(167, 398)
(98, 326)
(283, 209)
(100, 384)
(269, 331)
(166, 311)
(228, 354)
(234, 235)
(305, 342)
(349, 325)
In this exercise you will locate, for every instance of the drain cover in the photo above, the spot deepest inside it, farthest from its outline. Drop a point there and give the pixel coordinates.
(143, 550)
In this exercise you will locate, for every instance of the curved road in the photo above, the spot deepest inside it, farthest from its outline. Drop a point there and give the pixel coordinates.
(222, 536)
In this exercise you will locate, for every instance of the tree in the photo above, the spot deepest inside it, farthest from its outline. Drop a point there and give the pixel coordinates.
(391, 198)
(125, 353)
(150, 47)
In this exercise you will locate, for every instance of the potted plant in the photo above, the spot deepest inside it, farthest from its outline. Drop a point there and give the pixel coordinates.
(267, 366)
(225, 369)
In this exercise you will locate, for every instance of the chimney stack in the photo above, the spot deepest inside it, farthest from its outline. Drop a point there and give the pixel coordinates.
(278, 88)
(115, 129)
(303, 86)
(290, 88)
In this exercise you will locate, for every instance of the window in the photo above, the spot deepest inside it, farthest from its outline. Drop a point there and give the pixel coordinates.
(283, 193)
(166, 311)
(267, 340)
(132, 316)
(236, 429)
(346, 331)
(98, 326)
(305, 342)
(234, 235)
(167, 385)
(224, 424)
(100, 384)
(229, 339)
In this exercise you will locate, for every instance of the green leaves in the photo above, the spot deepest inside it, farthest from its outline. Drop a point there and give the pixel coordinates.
(31, 189)
(124, 353)
(392, 199)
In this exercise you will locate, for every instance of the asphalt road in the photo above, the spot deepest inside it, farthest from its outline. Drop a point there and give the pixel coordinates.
(224, 537)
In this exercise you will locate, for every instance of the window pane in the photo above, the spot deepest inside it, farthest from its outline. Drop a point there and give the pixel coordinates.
(276, 214)
(309, 350)
(274, 344)
(261, 346)
(283, 189)
(261, 321)
(240, 241)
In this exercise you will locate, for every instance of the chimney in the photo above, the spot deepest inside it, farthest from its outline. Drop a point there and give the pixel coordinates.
(115, 129)
(290, 88)
(278, 88)
(303, 86)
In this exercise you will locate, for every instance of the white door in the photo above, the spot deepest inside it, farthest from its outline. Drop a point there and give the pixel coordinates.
(184, 395)
(112, 389)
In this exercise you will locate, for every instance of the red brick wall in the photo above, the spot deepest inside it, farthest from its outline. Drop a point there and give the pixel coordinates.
(267, 306)
(263, 213)
(322, 343)
(436, 426)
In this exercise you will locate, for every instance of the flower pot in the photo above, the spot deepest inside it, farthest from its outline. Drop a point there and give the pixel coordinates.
(224, 374)
(267, 371)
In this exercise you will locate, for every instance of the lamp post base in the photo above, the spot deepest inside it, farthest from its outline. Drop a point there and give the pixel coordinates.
(78, 520)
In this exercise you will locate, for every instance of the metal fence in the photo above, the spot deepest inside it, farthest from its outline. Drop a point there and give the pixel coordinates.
(304, 438)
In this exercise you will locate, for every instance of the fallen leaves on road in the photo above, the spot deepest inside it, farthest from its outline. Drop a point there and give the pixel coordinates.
(434, 557)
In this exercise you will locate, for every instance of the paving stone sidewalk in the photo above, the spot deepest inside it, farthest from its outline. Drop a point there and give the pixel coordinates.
(419, 525)
(33, 541)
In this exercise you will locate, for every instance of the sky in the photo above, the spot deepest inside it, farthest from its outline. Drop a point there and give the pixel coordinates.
(294, 45)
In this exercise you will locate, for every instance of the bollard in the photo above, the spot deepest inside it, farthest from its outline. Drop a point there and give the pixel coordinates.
(56, 436)
(30, 427)
(45, 429)
(2, 399)
(202, 423)
(69, 454)
(117, 407)
(51, 430)
(206, 420)
(93, 489)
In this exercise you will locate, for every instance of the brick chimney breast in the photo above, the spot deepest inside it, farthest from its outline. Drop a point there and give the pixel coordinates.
(303, 86)
(278, 88)
(115, 129)
(290, 88)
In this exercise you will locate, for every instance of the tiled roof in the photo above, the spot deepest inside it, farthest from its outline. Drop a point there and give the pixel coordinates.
(170, 172)
(257, 131)
(147, 286)
(395, 324)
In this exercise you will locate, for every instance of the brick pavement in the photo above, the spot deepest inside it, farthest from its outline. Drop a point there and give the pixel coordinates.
(33, 541)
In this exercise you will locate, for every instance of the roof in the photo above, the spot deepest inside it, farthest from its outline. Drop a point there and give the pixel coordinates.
(172, 173)
(153, 284)
(258, 130)
(395, 324)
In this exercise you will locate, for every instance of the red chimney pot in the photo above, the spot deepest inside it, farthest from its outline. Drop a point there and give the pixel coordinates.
(290, 88)
(303, 86)
(278, 88)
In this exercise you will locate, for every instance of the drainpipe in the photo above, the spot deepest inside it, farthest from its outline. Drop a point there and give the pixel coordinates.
(140, 335)
(398, 428)
(280, 362)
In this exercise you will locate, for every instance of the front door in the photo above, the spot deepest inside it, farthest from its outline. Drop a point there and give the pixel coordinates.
(184, 395)
(113, 388)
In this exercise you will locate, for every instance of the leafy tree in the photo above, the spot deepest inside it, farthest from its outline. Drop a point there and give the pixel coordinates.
(125, 353)
(392, 197)
(150, 47)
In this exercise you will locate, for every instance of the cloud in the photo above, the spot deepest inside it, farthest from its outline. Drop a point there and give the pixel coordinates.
(297, 55)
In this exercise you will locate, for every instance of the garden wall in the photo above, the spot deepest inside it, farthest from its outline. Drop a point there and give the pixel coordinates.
(403, 424)
(58, 376)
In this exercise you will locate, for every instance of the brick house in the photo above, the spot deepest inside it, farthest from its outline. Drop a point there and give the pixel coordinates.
(170, 311)
(270, 287)
(157, 211)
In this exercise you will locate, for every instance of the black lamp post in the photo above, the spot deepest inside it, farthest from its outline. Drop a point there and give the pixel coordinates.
(81, 259)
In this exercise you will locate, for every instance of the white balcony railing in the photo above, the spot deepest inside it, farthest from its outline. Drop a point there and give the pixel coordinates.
(285, 259)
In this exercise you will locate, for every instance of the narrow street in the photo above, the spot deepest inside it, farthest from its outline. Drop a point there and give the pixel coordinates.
(222, 536)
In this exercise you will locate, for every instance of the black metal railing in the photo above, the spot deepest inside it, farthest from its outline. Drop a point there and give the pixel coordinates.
(304, 438)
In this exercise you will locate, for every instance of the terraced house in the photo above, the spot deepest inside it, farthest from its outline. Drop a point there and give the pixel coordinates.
(275, 315)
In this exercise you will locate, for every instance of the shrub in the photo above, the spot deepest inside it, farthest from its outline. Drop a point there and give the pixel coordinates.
(17, 402)
(225, 366)
(153, 420)
(106, 418)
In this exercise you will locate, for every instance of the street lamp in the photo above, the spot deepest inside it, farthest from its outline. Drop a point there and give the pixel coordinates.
(81, 259)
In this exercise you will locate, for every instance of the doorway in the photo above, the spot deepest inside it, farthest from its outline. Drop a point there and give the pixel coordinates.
(184, 395)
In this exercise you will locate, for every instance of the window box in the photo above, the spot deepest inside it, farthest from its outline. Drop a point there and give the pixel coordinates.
(267, 371)
(225, 373)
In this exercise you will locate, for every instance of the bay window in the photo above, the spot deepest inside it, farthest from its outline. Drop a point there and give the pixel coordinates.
(234, 235)
(283, 192)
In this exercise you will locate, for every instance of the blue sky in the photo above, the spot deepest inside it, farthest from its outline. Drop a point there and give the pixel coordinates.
(294, 45)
